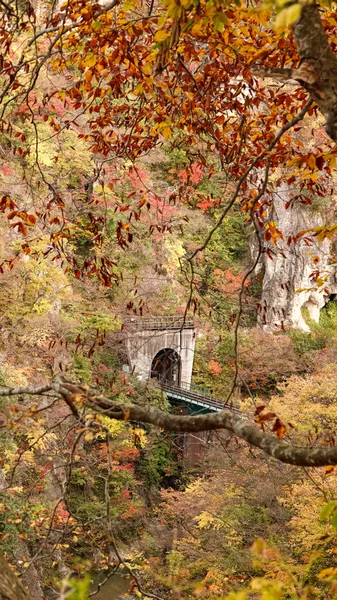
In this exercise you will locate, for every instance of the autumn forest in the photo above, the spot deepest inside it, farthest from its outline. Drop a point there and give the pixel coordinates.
(168, 305)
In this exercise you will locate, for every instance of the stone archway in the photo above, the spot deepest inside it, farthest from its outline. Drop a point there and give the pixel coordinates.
(148, 337)
(166, 367)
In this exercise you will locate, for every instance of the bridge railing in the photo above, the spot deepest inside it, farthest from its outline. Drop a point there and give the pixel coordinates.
(188, 394)
(158, 323)
(193, 387)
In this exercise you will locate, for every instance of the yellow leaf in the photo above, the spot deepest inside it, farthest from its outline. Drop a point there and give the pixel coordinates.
(287, 16)
(311, 161)
(197, 29)
(130, 5)
(327, 574)
(89, 436)
(305, 174)
(147, 68)
(293, 13)
(138, 90)
(161, 35)
(167, 132)
(90, 60)
(259, 547)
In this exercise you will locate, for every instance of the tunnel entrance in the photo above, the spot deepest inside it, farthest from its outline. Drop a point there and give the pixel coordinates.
(166, 367)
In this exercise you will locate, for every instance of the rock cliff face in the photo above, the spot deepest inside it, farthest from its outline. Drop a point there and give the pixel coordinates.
(290, 268)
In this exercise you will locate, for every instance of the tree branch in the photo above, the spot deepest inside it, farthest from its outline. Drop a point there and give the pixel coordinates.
(226, 419)
(73, 394)
(30, 391)
(244, 176)
(102, 11)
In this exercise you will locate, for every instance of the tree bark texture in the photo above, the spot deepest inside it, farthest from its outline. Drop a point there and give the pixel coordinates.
(72, 394)
(317, 72)
(225, 419)
(10, 586)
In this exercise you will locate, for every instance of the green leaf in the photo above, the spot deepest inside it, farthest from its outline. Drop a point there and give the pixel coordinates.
(334, 521)
(96, 25)
(220, 20)
(80, 588)
(327, 510)
(287, 16)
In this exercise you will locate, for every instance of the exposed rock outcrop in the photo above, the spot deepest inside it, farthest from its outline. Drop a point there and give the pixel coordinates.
(288, 279)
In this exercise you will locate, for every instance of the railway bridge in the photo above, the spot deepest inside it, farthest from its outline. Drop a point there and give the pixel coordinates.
(162, 348)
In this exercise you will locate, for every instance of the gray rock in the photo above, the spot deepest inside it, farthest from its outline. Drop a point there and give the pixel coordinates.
(288, 283)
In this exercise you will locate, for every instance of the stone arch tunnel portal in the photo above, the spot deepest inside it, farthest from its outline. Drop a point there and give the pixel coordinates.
(166, 367)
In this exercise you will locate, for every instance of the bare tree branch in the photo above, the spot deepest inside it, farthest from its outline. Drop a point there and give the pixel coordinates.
(30, 391)
(73, 394)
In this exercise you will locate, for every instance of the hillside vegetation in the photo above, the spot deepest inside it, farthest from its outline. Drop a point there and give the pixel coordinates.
(142, 145)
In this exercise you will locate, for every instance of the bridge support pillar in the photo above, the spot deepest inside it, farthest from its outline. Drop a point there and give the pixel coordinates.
(195, 446)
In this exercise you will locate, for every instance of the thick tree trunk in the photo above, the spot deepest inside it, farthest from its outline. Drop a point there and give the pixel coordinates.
(317, 70)
(11, 587)
(318, 67)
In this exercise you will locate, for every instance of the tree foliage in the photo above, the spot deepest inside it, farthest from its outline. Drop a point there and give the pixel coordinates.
(142, 144)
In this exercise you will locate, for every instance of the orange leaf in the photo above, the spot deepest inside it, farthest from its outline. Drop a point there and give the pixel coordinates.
(279, 428)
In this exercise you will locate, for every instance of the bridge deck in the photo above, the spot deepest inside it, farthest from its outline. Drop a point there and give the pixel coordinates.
(195, 399)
